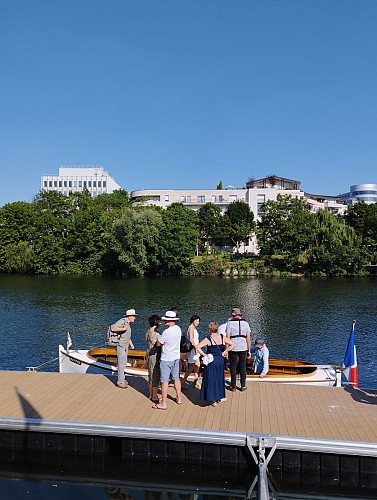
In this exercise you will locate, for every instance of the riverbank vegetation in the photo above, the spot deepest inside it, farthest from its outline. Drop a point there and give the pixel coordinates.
(78, 234)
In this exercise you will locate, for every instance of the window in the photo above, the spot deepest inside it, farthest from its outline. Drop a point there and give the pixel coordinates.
(94, 184)
(65, 184)
(90, 184)
(188, 198)
(45, 184)
(182, 199)
(50, 184)
(166, 197)
(99, 184)
(213, 199)
(201, 198)
(60, 184)
(221, 198)
(80, 184)
(55, 184)
(261, 198)
(84, 184)
(104, 184)
(70, 184)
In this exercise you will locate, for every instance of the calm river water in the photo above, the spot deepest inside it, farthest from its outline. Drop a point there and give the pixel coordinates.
(300, 318)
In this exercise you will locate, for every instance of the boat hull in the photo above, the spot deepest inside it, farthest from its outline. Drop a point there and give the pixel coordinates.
(81, 361)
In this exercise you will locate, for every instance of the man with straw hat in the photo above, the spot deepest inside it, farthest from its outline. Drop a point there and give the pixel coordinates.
(123, 328)
(170, 340)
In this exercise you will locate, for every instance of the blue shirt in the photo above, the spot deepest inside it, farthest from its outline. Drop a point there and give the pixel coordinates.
(260, 360)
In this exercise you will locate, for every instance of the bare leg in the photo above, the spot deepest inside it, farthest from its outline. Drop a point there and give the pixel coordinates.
(164, 393)
(177, 387)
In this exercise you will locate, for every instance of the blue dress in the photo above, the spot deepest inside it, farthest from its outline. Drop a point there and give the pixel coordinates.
(213, 383)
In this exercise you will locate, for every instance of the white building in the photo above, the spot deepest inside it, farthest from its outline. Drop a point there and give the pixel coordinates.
(191, 198)
(74, 179)
(255, 194)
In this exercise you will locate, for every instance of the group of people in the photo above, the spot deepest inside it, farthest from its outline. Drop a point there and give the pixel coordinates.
(230, 341)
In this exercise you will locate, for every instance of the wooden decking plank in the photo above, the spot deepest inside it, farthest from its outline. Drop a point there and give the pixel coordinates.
(331, 413)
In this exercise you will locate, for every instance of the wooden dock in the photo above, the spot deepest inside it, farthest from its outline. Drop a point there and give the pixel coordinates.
(286, 410)
(335, 427)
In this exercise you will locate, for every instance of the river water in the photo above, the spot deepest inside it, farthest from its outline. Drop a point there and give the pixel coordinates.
(306, 319)
(303, 319)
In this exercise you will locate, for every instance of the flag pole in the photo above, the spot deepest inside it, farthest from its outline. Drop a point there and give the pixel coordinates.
(350, 369)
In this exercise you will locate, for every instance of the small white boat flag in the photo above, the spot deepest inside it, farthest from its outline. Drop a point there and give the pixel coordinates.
(69, 341)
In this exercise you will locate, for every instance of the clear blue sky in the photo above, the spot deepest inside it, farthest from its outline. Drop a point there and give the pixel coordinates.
(182, 94)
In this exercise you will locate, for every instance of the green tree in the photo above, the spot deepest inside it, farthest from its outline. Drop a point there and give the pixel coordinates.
(284, 232)
(19, 258)
(17, 224)
(335, 247)
(240, 224)
(209, 222)
(179, 239)
(135, 238)
(362, 218)
(53, 213)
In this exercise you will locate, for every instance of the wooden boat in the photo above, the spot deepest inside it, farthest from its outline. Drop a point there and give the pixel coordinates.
(104, 360)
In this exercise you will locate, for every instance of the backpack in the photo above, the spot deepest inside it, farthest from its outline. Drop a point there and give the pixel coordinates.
(112, 338)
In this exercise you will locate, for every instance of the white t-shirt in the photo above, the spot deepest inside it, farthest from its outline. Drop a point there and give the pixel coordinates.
(170, 340)
(222, 329)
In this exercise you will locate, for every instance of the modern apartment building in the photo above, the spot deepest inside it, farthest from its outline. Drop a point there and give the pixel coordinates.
(254, 194)
(74, 179)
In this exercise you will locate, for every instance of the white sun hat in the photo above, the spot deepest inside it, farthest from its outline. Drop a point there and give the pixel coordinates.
(170, 316)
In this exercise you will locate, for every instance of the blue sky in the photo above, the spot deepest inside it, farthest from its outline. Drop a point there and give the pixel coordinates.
(182, 94)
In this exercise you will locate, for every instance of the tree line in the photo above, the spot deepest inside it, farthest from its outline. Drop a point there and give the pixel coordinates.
(78, 234)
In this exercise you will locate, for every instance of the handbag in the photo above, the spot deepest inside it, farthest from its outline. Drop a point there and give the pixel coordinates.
(186, 345)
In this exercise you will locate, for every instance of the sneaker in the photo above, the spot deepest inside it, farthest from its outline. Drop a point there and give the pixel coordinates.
(230, 388)
(123, 385)
(243, 389)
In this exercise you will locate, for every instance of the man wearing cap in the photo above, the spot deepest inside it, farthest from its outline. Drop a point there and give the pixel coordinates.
(123, 328)
(261, 355)
(170, 340)
(238, 330)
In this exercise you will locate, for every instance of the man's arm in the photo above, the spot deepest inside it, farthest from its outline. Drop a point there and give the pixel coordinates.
(265, 364)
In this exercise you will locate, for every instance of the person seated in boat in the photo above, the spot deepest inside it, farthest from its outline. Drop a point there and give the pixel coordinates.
(123, 328)
(261, 354)
(193, 358)
(153, 353)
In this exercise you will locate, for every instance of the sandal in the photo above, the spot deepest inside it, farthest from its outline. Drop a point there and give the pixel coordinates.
(178, 401)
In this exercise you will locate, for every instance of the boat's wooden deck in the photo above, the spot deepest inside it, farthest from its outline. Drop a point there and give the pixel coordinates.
(288, 410)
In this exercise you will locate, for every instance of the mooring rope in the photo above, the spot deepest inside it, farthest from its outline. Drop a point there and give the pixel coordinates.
(35, 368)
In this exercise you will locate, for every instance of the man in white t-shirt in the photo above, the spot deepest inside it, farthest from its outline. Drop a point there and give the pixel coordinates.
(170, 340)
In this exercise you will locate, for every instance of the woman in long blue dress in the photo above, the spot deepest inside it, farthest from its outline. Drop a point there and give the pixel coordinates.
(213, 383)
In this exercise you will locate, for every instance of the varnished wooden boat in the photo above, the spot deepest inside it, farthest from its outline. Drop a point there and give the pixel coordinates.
(104, 360)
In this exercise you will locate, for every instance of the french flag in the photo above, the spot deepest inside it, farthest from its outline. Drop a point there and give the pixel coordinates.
(350, 360)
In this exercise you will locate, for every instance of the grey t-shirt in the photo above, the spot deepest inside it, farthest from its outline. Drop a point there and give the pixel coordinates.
(124, 339)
